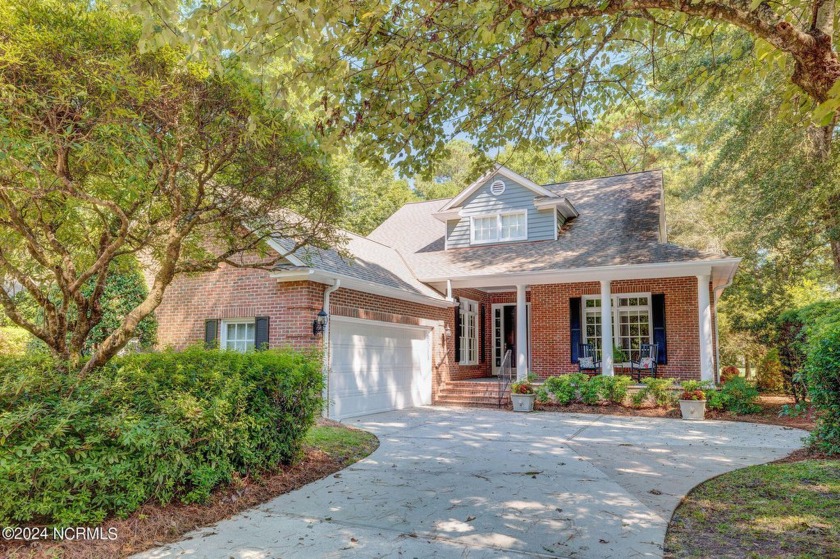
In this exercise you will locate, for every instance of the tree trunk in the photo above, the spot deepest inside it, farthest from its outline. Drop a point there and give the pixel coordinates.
(747, 368)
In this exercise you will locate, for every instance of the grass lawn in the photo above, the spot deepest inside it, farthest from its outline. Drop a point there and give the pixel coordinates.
(328, 448)
(784, 509)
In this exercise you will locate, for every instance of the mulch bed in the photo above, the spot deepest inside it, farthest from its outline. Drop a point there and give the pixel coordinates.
(154, 525)
(771, 405)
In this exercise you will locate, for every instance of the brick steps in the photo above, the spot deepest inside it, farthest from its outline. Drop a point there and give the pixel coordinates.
(471, 394)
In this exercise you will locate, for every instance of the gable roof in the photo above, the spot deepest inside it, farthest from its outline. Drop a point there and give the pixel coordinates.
(497, 169)
(620, 223)
(364, 260)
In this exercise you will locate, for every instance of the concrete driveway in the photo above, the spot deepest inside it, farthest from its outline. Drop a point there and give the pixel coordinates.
(486, 483)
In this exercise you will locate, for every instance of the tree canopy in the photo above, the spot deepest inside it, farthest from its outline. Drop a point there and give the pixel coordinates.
(107, 152)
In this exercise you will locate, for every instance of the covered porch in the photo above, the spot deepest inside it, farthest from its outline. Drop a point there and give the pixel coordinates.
(544, 318)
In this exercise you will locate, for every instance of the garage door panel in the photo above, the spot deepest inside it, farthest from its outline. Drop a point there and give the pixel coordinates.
(377, 367)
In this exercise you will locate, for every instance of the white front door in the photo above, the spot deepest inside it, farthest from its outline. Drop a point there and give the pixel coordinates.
(504, 334)
(377, 366)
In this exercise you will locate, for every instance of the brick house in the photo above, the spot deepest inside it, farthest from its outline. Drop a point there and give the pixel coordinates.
(443, 290)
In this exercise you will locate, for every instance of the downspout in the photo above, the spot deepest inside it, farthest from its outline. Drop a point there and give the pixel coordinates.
(325, 367)
(449, 290)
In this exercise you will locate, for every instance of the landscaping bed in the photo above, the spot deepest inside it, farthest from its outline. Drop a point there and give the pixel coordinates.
(789, 508)
(770, 407)
(328, 448)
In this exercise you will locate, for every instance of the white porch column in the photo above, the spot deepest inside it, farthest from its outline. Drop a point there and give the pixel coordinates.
(521, 334)
(606, 330)
(704, 308)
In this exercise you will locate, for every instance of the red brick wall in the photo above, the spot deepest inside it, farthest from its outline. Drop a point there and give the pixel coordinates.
(238, 293)
(234, 293)
(550, 333)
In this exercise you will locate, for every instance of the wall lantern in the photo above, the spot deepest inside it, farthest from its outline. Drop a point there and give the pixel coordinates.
(447, 333)
(320, 322)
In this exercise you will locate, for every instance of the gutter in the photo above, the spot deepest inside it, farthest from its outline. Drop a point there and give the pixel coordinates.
(325, 340)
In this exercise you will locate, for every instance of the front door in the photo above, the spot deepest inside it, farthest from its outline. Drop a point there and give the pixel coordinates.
(504, 334)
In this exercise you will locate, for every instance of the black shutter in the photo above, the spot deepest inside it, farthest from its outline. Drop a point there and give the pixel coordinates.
(658, 319)
(261, 333)
(574, 327)
(482, 333)
(457, 334)
(211, 333)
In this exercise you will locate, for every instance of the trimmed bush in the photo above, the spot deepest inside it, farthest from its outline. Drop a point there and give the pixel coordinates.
(146, 427)
(737, 396)
(657, 391)
(822, 373)
(577, 387)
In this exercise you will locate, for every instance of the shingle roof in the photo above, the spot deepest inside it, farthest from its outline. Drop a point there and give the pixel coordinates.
(618, 224)
(363, 259)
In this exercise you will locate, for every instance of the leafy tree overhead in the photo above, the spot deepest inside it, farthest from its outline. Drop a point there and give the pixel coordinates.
(106, 152)
(406, 76)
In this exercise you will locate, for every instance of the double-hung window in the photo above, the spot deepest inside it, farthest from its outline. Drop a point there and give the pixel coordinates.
(507, 226)
(238, 335)
(469, 332)
(631, 319)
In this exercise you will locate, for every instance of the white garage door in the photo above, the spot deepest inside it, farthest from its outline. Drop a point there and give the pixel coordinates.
(376, 366)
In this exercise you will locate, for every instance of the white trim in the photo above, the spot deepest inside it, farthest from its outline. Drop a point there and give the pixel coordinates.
(280, 250)
(318, 276)
(493, 308)
(556, 225)
(476, 328)
(498, 216)
(505, 172)
(616, 309)
(382, 323)
(560, 204)
(223, 323)
(493, 187)
(574, 275)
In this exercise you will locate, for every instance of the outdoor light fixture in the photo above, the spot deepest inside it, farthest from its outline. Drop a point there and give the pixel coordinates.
(320, 323)
(447, 332)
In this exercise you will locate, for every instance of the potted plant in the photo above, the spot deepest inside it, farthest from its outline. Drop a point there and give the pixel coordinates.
(693, 401)
(522, 395)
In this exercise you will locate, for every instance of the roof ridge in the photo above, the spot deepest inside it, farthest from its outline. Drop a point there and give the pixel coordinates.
(657, 170)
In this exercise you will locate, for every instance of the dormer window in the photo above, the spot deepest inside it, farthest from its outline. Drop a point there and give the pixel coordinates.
(501, 227)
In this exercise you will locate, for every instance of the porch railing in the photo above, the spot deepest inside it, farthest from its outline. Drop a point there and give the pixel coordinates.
(505, 376)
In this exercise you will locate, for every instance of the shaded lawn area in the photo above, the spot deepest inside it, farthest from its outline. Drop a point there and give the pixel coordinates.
(787, 509)
(328, 448)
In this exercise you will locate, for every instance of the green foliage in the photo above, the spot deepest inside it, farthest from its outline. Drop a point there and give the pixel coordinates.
(795, 328)
(125, 288)
(737, 396)
(146, 427)
(822, 373)
(146, 152)
(565, 388)
(769, 375)
(578, 387)
(656, 391)
(613, 389)
(13, 341)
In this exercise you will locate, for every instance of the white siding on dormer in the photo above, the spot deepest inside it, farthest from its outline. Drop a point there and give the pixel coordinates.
(515, 197)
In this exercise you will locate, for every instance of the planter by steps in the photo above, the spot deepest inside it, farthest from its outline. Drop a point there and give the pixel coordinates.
(523, 402)
(693, 410)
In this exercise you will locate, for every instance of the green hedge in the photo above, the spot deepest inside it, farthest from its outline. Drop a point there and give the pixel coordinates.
(146, 427)
(822, 374)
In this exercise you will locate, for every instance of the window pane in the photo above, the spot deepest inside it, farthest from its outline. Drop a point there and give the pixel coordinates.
(513, 226)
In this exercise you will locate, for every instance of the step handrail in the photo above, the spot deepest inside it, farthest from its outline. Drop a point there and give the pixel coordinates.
(505, 376)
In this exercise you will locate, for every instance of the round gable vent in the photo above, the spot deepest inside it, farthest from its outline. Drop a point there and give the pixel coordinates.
(497, 188)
